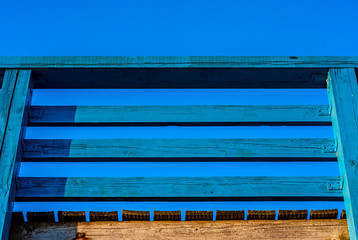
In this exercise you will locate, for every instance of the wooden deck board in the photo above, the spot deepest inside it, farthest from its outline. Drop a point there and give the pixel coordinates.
(158, 230)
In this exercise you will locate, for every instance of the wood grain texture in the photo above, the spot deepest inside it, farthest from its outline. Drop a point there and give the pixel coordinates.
(129, 215)
(286, 114)
(71, 216)
(10, 152)
(8, 88)
(178, 148)
(213, 230)
(324, 214)
(149, 187)
(177, 62)
(292, 214)
(261, 214)
(343, 97)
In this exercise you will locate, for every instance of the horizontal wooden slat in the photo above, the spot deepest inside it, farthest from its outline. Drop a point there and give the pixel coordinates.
(162, 187)
(285, 114)
(160, 230)
(177, 61)
(166, 148)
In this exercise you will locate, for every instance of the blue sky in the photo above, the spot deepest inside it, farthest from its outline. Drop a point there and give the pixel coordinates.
(179, 27)
(153, 27)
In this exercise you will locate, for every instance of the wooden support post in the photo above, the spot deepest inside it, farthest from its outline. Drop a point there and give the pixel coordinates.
(13, 98)
(343, 97)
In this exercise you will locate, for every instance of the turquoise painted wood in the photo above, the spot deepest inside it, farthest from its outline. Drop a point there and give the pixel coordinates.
(181, 114)
(143, 187)
(10, 151)
(177, 148)
(8, 88)
(178, 62)
(343, 96)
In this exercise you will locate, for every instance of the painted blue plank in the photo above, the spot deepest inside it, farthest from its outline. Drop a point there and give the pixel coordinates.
(177, 187)
(178, 62)
(10, 152)
(8, 88)
(284, 114)
(343, 96)
(179, 148)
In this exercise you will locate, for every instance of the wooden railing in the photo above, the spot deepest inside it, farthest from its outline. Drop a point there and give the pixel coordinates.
(178, 72)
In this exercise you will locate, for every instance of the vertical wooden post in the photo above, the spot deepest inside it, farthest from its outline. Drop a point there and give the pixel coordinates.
(13, 98)
(343, 96)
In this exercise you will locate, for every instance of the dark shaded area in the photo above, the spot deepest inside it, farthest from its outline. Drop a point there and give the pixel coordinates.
(179, 77)
(40, 216)
(17, 217)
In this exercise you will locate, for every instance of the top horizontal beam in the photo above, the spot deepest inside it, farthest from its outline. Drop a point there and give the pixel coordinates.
(178, 62)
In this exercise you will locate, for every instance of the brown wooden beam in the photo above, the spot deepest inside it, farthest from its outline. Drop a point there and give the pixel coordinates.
(252, 229)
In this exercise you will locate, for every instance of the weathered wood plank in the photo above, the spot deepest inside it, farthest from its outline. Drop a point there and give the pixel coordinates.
(166, 148)
(10, 152)
(158, 230)
(175, 187)
(177, 62)
(286, 114)
(8, 88)
(343, 93)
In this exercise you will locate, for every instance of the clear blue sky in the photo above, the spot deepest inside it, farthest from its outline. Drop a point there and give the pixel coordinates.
(179, 27)
(107, 28)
